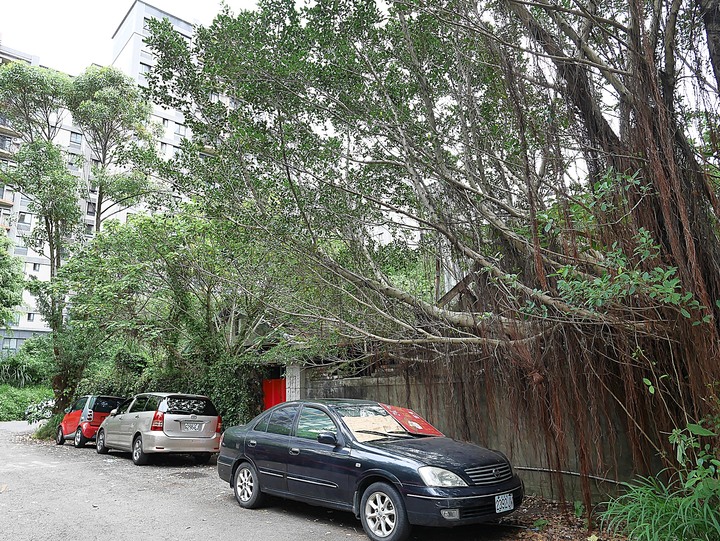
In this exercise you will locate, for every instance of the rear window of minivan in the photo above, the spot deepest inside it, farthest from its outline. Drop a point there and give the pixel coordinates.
(187, 405)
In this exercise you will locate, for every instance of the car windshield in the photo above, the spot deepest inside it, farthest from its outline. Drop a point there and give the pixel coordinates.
(370, 422)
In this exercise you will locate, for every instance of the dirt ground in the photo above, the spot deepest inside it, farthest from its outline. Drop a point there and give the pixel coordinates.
(541, 520)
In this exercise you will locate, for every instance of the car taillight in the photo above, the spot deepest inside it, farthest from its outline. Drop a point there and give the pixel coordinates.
(218, 429)
(90, 415)
(158, 421)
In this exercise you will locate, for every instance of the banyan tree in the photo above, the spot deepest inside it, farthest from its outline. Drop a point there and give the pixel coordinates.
(525, 190)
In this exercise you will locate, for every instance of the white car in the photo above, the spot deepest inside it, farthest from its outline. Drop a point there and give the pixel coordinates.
(150, 423)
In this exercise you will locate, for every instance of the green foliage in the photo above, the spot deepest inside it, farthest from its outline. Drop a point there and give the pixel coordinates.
(33, 98)
(11, 281)
(628, 277)
(48, 430)
(114, 117)
(25, 368)
(234, 385)
(14, 401)
(685, 507)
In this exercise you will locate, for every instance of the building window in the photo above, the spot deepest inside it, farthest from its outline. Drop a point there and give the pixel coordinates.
(163, 149)
(180, 130)
(24, 220)
(144, 68)
(75, 138)
(31, 316)
(8, 194)
(20, 250)
(36, 267)
(72, 162)
(89, 229)
(5, 143)
(165, 122)
(91, 208)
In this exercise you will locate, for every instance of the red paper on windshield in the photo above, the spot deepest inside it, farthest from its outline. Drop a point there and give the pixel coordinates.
(411, 421)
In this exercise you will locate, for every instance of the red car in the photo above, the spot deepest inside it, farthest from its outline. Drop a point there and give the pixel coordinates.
(83, 418)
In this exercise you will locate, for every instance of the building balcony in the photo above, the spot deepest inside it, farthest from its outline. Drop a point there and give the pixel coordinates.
(6, 128)
(5, 203)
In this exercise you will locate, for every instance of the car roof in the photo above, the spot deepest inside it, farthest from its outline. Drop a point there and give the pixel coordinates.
(165, 395)
(334, 402)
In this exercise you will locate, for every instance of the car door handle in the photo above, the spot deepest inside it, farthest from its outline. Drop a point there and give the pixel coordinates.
(252, 443)
(294, 451)
(137, 416)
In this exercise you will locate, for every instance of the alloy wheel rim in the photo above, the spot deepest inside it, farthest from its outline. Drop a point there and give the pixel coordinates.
(100, 440)
(136, 449)
(245, 485)
(380, 514)
(77, 437)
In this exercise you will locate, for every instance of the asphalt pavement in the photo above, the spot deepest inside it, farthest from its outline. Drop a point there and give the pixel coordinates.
(50, 492)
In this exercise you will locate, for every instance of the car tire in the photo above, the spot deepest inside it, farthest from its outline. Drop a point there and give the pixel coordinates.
(139, 457)
(100, 443)
(59, 436)
(202, 458)
(79, 440)
(246, 486)
(383, 514)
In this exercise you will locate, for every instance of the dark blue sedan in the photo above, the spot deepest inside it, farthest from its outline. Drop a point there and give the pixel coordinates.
(384, 463)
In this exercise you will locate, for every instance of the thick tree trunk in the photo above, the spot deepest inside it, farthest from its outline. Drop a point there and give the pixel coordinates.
(710, 10)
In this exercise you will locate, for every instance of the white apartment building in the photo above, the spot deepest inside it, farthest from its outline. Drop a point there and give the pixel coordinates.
(131, 56)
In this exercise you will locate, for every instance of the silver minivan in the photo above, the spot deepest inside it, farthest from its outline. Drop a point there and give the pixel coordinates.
(150, 423)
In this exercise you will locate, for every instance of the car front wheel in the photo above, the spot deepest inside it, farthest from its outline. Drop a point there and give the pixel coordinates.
(59, 436)
(79, 440)
(247, 487)
(100, 443)
(138, 455)
(383, 514)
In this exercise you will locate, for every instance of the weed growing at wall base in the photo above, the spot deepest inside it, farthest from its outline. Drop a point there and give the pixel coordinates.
(686, 506)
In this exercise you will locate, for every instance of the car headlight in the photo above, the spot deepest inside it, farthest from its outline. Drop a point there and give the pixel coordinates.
(438, 477)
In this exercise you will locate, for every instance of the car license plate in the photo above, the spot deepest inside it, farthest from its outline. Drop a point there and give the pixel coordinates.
(194, 427)
(504, 503)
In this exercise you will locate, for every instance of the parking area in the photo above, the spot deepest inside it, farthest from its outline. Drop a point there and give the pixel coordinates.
(49, 491)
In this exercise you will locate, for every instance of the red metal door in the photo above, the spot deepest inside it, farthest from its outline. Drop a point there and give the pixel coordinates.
(273, 392)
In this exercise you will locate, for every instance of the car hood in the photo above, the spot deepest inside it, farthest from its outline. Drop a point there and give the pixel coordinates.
(439, 451)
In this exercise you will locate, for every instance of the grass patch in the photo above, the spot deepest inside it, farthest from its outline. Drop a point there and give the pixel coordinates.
(14, 400)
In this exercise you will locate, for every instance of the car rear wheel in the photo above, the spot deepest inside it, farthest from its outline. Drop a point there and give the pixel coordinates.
(59, 436)
(138, 455)
(100, 443)
(246, 486)
(79, 440)
(383, 515)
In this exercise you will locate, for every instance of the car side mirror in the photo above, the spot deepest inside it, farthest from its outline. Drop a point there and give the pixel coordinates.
(113, 413)
(67, 410)
(328, 438)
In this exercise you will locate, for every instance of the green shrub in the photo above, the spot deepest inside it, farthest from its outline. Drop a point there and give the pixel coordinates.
(685, 507)
(235, 386)
(47, 431)
(14, 400)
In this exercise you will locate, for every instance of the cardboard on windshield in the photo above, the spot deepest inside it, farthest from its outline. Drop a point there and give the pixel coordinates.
(411, 421)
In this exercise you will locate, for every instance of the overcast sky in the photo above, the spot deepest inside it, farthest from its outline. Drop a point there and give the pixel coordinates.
(72, 34)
